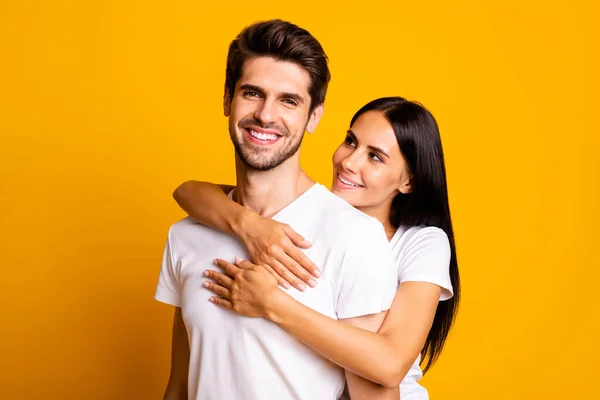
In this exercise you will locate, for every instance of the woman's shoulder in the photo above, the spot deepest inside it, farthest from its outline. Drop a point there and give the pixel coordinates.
(420, 236)
(411, 245)
(423, 254)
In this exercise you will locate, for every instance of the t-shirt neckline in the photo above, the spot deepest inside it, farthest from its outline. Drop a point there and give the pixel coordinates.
(297, 200)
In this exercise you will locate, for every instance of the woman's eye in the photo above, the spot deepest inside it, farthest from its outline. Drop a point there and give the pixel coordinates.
(375, 157)
(349, 141)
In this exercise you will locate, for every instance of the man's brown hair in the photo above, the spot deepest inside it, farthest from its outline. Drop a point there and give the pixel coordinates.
(282, 41)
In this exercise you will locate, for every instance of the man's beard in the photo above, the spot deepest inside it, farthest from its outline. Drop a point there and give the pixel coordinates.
(254, 160)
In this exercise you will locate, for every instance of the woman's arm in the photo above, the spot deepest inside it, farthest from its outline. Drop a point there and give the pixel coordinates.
(360, 388)
(209, 204)
(384, 357)
(269, 242)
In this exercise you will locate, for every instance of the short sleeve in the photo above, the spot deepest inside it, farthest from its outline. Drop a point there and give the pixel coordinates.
(368, 280)
(426, 258)
(168, 289)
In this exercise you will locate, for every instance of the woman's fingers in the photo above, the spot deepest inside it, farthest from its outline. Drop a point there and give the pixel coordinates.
(244, 264)
(285, 273)
(303, 262)
(298, 271)
(221, 302)
(218, 277)
(247, 265)
(296, 238)
(284, 267)
(217, 289)
(290, 260)
(280, 281)
(229, 269)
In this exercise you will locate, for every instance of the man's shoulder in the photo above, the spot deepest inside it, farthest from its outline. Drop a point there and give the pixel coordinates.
(350, 225)
(184, 225)
(188, 236)
(351, 218)
(338, 209)
(189, 229)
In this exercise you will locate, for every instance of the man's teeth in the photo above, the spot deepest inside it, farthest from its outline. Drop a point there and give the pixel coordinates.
(347, 182)
(263, 136)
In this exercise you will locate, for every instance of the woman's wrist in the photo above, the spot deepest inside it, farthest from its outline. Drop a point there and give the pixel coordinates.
(279, 307)
(240, 221)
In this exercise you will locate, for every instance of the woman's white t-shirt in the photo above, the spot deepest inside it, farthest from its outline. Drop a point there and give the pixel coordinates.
(422, 255)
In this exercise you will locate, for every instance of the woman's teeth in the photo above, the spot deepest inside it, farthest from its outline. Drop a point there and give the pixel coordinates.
(345, 182)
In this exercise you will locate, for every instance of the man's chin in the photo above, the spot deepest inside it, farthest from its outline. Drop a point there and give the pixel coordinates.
(260, 165)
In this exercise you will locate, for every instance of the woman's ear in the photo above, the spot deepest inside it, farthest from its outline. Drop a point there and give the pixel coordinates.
(406, 185)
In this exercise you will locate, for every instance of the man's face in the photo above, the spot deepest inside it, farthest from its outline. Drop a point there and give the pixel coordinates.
(269, 112)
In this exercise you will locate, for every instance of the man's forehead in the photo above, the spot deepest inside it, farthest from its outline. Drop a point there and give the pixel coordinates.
(275, 76)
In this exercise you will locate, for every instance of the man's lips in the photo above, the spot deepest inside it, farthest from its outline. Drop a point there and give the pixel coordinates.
(261, 136)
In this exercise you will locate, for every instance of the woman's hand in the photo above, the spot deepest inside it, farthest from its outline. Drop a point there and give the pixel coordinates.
(276, 246)
(247, 289)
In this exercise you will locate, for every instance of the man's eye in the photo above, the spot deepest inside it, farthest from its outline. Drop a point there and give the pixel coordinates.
(251, 94)
(290, 102)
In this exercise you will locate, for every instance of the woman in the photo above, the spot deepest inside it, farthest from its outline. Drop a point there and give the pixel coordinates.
(390, 166)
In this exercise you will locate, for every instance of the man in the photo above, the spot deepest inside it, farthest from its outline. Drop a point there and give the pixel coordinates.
(276, 81)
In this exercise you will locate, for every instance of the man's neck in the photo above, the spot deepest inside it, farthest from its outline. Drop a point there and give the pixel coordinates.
(268, 192)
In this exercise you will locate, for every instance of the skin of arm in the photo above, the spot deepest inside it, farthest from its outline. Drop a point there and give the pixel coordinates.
(383, 357)
(208, 204)
(180, 359)
(359, 388)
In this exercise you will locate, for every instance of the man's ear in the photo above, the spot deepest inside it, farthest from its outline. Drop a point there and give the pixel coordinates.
(315, 117)
(226, 102)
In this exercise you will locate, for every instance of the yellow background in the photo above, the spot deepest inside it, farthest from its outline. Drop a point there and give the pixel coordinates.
(105, 106)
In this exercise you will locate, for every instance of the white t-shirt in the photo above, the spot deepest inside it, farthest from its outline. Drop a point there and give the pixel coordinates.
(233, 357)
(422, 255)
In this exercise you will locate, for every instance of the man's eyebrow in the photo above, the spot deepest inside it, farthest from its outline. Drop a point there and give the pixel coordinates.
(373, 148)
(292, 96)
(254, 88)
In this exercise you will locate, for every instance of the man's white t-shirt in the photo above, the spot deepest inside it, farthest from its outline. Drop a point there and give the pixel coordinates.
(233, 357)
(422, 255)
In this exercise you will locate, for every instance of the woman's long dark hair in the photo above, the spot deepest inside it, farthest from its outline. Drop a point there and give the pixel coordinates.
(427, 204)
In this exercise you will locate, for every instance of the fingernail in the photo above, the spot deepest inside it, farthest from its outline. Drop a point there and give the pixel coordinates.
(301, 287)
(307, 243)
(286, 285)
(317, 273)
(312, 283)
(238, 259)
(205, 273)
(211, 299)
(205, 284)
(215, 261)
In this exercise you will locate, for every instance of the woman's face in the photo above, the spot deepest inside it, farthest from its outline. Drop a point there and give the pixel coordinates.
(368, 168)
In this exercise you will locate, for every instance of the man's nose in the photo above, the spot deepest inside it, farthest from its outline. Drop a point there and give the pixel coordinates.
(267, 112)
